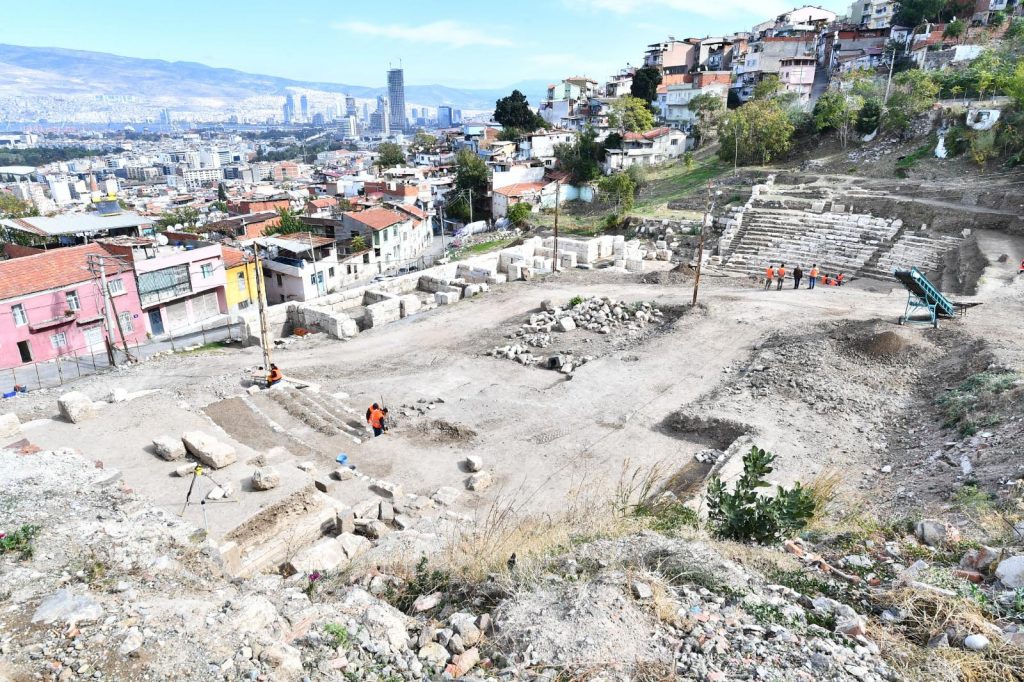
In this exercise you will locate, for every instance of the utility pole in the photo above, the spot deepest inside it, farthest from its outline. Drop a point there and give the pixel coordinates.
(262, 303)
(316, 275)
(558, 195)
(708, 208)
(440, 210)
(892, 63)
(470, 204)
(97, 268)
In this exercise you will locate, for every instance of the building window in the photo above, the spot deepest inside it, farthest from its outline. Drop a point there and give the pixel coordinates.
(115, 286)
(241, 283)
(312, 278)
(279, 280)
(59, 340)
(125, 319)
(73, 302)
(20, 318)
(330, 272)
(206, 270)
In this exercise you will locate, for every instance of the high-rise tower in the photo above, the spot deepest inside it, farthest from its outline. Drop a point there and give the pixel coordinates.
(396, 95)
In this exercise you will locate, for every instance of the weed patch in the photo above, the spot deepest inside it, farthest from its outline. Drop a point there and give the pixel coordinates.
(19, 541)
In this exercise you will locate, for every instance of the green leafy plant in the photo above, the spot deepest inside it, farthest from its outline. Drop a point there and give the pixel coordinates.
(575, 300)
(745, 515)
(19, 541)
(339, 634)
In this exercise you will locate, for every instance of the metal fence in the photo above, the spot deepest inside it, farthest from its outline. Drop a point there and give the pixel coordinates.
(79, 362)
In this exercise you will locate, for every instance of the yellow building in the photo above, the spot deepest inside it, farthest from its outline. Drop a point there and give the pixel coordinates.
(240, 287)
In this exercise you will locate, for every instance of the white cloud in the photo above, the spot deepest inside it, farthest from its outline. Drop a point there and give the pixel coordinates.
(706, 8)
(445, 32)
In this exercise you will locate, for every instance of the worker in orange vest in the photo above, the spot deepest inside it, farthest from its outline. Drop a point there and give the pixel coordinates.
(780, 275)
(839, 280)
(769, 275)
(377, 421)
(275, 376)
(812, 276)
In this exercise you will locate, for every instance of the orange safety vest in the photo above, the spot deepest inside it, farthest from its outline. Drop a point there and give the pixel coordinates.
(769, 273)
(828, 281)
(814, 272)
(275, 375)
(782, 273)
(839, 277)
(375, 418)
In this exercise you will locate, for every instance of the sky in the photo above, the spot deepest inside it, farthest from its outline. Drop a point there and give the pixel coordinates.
(459, 43)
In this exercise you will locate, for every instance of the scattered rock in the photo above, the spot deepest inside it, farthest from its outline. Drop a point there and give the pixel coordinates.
(169, 447)
(463, 663)
(10, 425)
(936, 533)
(265, 478)
(474, 463)
(68, 607)
(425, 602)
(642, 591)
(445, 495)
(433, 654)
(480, 481)
(1011, 572)
(76, 407)
(209, 450)
(976, 642)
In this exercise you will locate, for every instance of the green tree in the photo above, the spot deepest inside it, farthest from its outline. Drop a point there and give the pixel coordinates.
(632, 114)
(768, 87)
(471, 182)
(708, 110)
(1013, 85)
(613, 140)
(758, 132)
(955, 29)
(646, 80)
(519, 213)
(914, 92)
(423, 142)
(619, 189)
(1016, 29)
(290, 223)
(222, 192)
(913, 12)
(835, 111)
(389, 155)
(582, 158)
(187, 216)
(358, 244)
(13, 207)
(514, 112)
(869, 117)
(997, 19)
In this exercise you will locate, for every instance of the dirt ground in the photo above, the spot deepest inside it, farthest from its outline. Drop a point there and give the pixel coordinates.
(544, 436)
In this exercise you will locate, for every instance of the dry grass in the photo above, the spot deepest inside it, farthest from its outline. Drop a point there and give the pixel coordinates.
(508, 526)
(823, 488)
(929, 613)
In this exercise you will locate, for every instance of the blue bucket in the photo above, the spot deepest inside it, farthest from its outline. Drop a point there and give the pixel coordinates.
(342, 459)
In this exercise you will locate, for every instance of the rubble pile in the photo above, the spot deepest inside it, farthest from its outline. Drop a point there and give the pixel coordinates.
(617, 320)
(668, 237)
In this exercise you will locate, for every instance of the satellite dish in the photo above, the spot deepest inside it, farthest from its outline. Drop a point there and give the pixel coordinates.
(161, 239)
(273, 252)
(178, 227)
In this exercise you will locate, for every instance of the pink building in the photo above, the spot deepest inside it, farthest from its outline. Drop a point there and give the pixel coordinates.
(797, 75)
(180, 284)
(51, 306)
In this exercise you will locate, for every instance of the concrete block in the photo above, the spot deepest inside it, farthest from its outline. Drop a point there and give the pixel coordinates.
(388, 489)
(10, 425)
(352, 544)
(567, 260)
(471, 290)
(343, 474)
(386, 511)
(76, 407)
(566, 324)
(634, 265)
(515, 273)
(209, 450)
(169, 447)
(324, 484)
(446, 297)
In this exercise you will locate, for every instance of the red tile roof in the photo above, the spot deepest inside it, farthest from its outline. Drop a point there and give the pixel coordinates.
(377, 218)
(649, 135)
(324, 202)
(414, 211)
(520, 188)
(232, 257)
(52, 269)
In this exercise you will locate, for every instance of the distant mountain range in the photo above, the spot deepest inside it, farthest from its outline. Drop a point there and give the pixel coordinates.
(51, 71)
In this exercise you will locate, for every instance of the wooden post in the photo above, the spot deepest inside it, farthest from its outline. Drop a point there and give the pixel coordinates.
(708, 207)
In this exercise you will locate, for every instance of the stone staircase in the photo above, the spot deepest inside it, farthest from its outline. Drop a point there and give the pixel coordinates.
(321, 412)
(796, 226)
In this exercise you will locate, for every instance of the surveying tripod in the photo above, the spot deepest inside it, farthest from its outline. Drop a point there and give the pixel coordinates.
(197, 473)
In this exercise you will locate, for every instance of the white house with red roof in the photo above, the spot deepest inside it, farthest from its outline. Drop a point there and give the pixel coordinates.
(51, 305)
(646, 149)
(398, 233)
(299, 266)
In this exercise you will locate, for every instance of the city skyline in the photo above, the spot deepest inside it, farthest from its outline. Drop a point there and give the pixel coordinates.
(434, 45)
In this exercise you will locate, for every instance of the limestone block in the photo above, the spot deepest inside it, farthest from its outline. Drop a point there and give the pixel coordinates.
(352, 544)
(480, 481)
(345, 522)
(76, 407)
(474, 463)
(209, 450)
(515, 272)
(566, 324)
(446, 297)
(169, 447)
(10, 425)
(325, 555)
(410, 304)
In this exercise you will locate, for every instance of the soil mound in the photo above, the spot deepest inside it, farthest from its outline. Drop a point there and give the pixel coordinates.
(446, 432)
(882, 345)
